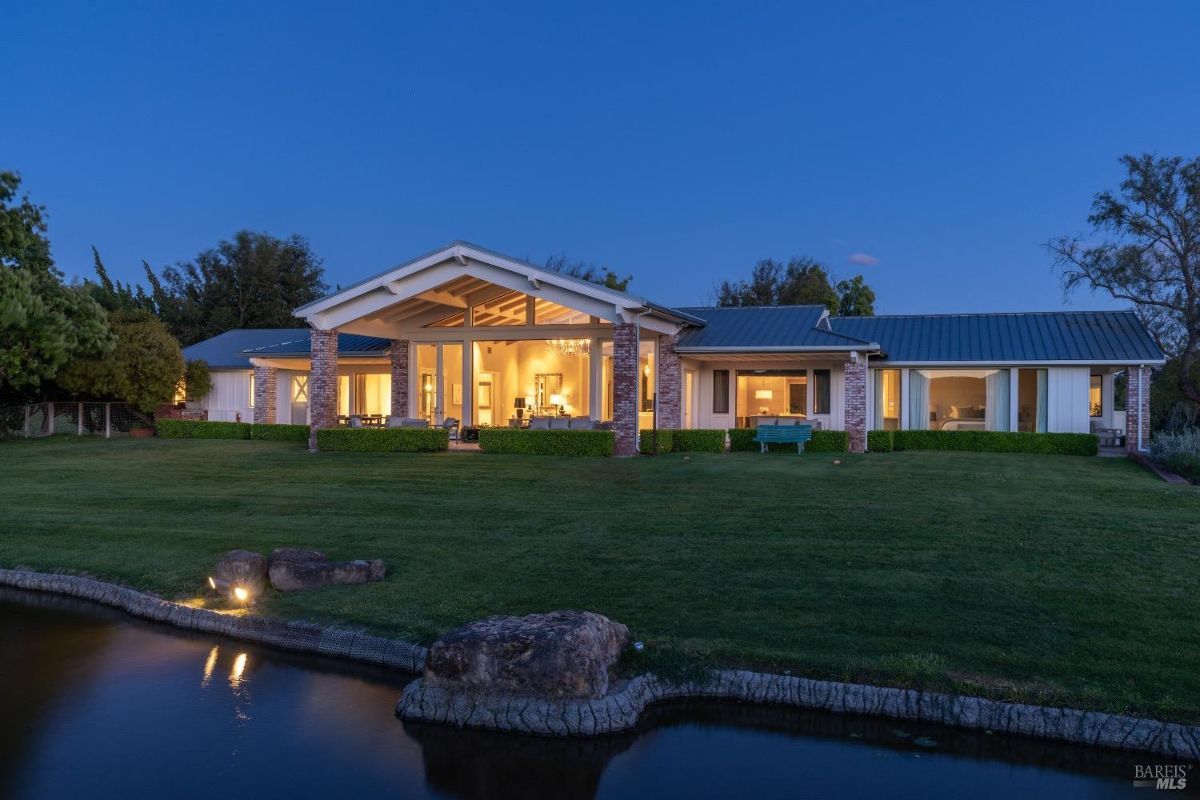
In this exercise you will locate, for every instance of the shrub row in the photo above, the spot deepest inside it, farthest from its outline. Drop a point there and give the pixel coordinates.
(546, 443)
(201, 429)
(822, 441)
(691, 440)
(280, 433)
(1185, 464)
(1072, 444)
(383, 440)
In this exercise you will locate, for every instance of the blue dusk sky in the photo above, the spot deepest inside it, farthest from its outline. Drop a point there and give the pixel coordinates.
(933, 147)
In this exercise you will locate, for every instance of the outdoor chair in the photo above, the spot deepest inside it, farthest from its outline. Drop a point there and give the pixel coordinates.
(407, 422)
(451, 426)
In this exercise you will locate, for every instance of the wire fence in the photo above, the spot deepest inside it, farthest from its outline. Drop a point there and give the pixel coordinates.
(36, 420)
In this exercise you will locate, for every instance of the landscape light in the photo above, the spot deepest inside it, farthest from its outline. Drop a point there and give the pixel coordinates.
(241, 594)
(212, 582)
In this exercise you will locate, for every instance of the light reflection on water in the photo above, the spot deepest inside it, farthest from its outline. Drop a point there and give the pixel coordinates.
(90, 699)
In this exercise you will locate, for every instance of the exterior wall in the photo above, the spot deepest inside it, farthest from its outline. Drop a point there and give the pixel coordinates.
(230, 396)
(855, 408)
(1137, 410)
(669, 384)
(400, 358)
(1067, 399)
(625, 388)
(265, 388)
(322, 383)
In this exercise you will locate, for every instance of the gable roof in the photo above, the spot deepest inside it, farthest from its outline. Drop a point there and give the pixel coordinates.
(227, 350)
(765, 328)
(1090, 336)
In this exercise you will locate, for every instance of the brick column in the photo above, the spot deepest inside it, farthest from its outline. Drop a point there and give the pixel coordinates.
(322, 383)
(854, 404)
(625, 387)
(265, 380)
(400, 378)
(669, 384)
(1137, 408)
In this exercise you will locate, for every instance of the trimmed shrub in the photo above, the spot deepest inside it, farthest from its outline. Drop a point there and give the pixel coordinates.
(200, 429)
(280, 433)
(698, 440)
(881, 441)
(384, 440)
(523, 441)
(666, 441)
(742, 439)
(1072, 444)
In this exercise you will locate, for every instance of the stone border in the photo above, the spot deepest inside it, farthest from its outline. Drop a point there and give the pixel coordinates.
(620, 709)
(303, 637)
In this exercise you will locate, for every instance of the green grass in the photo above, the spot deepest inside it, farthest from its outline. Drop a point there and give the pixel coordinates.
(1041, 578)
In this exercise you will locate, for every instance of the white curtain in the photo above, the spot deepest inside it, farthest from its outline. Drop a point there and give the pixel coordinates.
(999, 401)
(918, 401)
(1041, 401)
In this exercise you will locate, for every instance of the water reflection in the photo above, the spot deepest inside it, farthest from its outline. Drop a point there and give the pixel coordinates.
(92, 699)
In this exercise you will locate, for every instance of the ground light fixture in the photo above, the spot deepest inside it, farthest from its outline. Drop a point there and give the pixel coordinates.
(235, 592)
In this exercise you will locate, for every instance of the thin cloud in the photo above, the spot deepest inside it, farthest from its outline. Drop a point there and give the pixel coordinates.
(862, 259)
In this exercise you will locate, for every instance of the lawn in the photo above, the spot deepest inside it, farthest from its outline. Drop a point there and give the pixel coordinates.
(1055, 579)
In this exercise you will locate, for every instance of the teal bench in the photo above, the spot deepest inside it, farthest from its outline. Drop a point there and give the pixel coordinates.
(783, 434)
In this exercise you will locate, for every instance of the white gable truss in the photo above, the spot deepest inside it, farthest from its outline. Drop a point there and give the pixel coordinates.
(460, 275)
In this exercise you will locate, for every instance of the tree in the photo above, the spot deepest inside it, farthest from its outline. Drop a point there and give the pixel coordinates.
(43, 323)
(855, 298)
(252, 281)
(143, 369)
(1148, 254)
(589, 272)
(802, 281)
(197, 378)
(117, 296)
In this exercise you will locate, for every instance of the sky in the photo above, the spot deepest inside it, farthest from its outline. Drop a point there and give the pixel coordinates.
(932, 147)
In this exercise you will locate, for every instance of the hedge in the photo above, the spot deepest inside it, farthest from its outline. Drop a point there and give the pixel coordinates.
(1071, 444)
(1184, 464)
(280, 433)
(665, 438)
(698, 440)
(546, 443)
(881, 441)
(201, 429)
(742, 439)
(384, 440)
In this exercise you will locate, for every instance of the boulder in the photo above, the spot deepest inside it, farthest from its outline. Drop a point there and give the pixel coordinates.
(289, 575)
(296, 554)
(242, 568)
(559, 654)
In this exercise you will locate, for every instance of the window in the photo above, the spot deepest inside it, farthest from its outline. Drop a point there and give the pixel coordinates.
(251, 390)
(300, 389)
(1095, 396)
(769, 393)
(720, 391)
(960, 399)
(546, 312)
(821, 391)
(507, 309)
(1031, 400)
(887, 400)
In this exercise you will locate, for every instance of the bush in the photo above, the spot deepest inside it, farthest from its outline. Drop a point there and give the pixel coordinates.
(547, 443)
(742, 439)
(383, 440)
(197, 379)
(698, 440)
(1186, 464)
(881, 441)
(200, 429)
(1075, 444)
(1178, 451)
(280, 433)
(665, 438)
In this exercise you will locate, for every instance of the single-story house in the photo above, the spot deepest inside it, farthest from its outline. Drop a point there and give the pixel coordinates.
(470, 334)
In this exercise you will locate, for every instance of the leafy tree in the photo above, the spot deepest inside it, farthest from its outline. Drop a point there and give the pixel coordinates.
(1145, 249)
(143, 369)
(117, 296)
(197, 378)
(801, 281)
(251, 281)
(43, 323)
(589, 272)
(855, 298)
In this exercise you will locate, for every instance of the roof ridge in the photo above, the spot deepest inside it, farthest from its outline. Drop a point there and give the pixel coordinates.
(1074, 312)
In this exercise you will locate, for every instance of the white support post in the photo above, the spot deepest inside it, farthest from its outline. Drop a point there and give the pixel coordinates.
(108, 420)
(439, 387)
(79, 421)
(1014, 398)
(903, 399)
(596, 380)
(468, 370)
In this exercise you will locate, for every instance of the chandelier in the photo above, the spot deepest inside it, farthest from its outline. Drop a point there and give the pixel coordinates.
(570, 348)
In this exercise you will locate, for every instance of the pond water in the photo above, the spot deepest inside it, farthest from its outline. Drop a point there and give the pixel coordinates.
(93, 703)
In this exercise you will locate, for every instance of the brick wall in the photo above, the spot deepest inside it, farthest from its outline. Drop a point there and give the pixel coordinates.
(1137, 408)
(855, 404)
(625, 387)
(322, 383)
(669, 386)
(399, 352)
(265, 381)
(170, 411)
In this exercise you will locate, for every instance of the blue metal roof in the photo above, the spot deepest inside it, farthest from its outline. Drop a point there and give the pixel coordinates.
(1094, 336)
(351, 345)
(227, 350)
(774, 327)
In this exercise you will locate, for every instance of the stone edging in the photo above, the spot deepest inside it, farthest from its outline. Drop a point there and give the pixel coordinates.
(619, 710)
(304, 637)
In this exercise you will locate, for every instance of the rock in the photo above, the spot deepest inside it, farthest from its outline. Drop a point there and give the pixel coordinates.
(242, 568)
(295, 576)
(295, 555)
(559, 654)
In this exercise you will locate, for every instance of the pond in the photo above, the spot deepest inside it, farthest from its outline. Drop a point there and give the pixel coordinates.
(96, 703)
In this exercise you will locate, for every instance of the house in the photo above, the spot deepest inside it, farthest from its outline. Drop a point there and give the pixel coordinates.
(468, 333)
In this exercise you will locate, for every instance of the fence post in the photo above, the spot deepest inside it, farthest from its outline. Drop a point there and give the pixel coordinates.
(28, 413)
(79, 426)
(108, 420)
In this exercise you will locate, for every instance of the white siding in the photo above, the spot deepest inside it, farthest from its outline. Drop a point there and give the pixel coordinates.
(1067, 399)
(230, 396)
